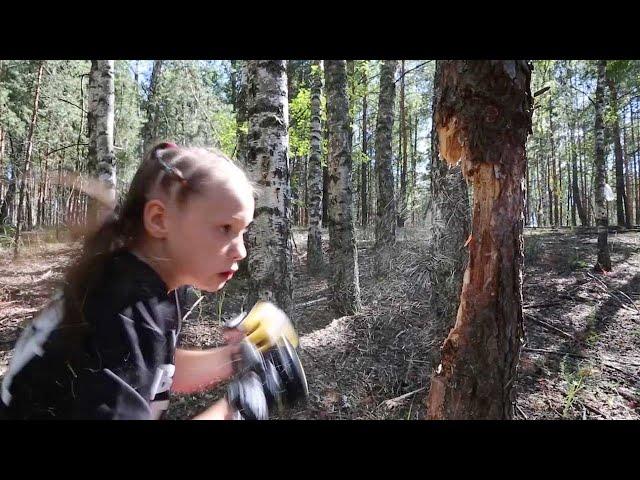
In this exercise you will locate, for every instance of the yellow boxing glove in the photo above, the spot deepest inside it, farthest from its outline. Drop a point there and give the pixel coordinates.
(264, 325)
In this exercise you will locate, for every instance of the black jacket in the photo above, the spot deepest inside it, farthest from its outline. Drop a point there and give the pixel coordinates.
(116, 364)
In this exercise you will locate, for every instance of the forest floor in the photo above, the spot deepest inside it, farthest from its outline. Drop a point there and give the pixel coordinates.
(581, 358)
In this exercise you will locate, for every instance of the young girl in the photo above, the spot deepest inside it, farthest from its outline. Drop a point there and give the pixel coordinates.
(106, 346)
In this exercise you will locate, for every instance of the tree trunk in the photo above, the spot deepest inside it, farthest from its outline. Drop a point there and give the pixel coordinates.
(8, 199)
(364, 171)
(306, 192)
(345, 285)
(402, 208)
(539, 207)
(315, 259)
(527, 205)
(603, 263)
(325, 186)
(151, 126)
(386, 209)
(634, 160)
(575, 190)
(269, 253)
(624, 219)
(549, 179)
(450, 229)
(583, 179)
(2, 136)
(295, 166)
(628, 177)
(28, 211)
(483, 119)
(27, 157)
(414, 160)
(554, 174)
(102, 160)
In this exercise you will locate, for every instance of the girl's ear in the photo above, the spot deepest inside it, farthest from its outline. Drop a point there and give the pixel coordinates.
(155, 218)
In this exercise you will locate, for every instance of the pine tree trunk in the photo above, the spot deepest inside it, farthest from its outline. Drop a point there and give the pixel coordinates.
(576, 200)
(628, 177)
(345, 285)
(414, 161)
(634, 160)
(151, 126)
(8, 199)
(602, 220)
(527, 205)
(636, 166)
(28, 210)
(315, 259)
(295, 166)
(621, 196)
(488, 134)
(549, 179)
(575, 190)
(306, 192)
(539, 208)
(2, 136)
(325, 186)
(364, 172)
(583, 179)
(571, 206)
(402, 208)
(269, 239)
(27, 157)
(554, 176)
(386, 209)
(450, 215)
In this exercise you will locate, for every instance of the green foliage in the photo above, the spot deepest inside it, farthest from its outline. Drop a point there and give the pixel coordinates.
(300, 123)
(575, 379)
(128, 122)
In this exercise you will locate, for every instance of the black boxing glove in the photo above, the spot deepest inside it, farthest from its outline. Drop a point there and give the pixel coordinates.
(246, 395)
(249, 359)
(285, 364)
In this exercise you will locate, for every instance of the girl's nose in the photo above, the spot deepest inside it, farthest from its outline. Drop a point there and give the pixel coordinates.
(238, 250)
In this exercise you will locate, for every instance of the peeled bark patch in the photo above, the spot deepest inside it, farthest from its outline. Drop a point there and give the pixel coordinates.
(483, 117)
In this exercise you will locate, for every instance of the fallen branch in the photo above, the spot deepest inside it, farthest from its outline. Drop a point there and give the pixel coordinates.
(312, 302)
(628, 395)
(521, 412)
(393, 402)
(608, 290)
(604, 362)
(543, 305)
(592, 409)
(551, 327)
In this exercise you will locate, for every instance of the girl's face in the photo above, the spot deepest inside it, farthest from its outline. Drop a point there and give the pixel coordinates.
(205, 235)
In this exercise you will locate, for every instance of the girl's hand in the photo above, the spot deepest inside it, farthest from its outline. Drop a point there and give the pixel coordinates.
(232, 336)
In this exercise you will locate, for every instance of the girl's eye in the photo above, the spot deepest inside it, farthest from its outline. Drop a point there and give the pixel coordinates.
(225, 229)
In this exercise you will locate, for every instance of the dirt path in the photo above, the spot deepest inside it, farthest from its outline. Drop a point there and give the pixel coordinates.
(581, 358)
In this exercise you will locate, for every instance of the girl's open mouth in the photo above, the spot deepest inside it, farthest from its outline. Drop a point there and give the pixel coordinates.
(226, 275)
